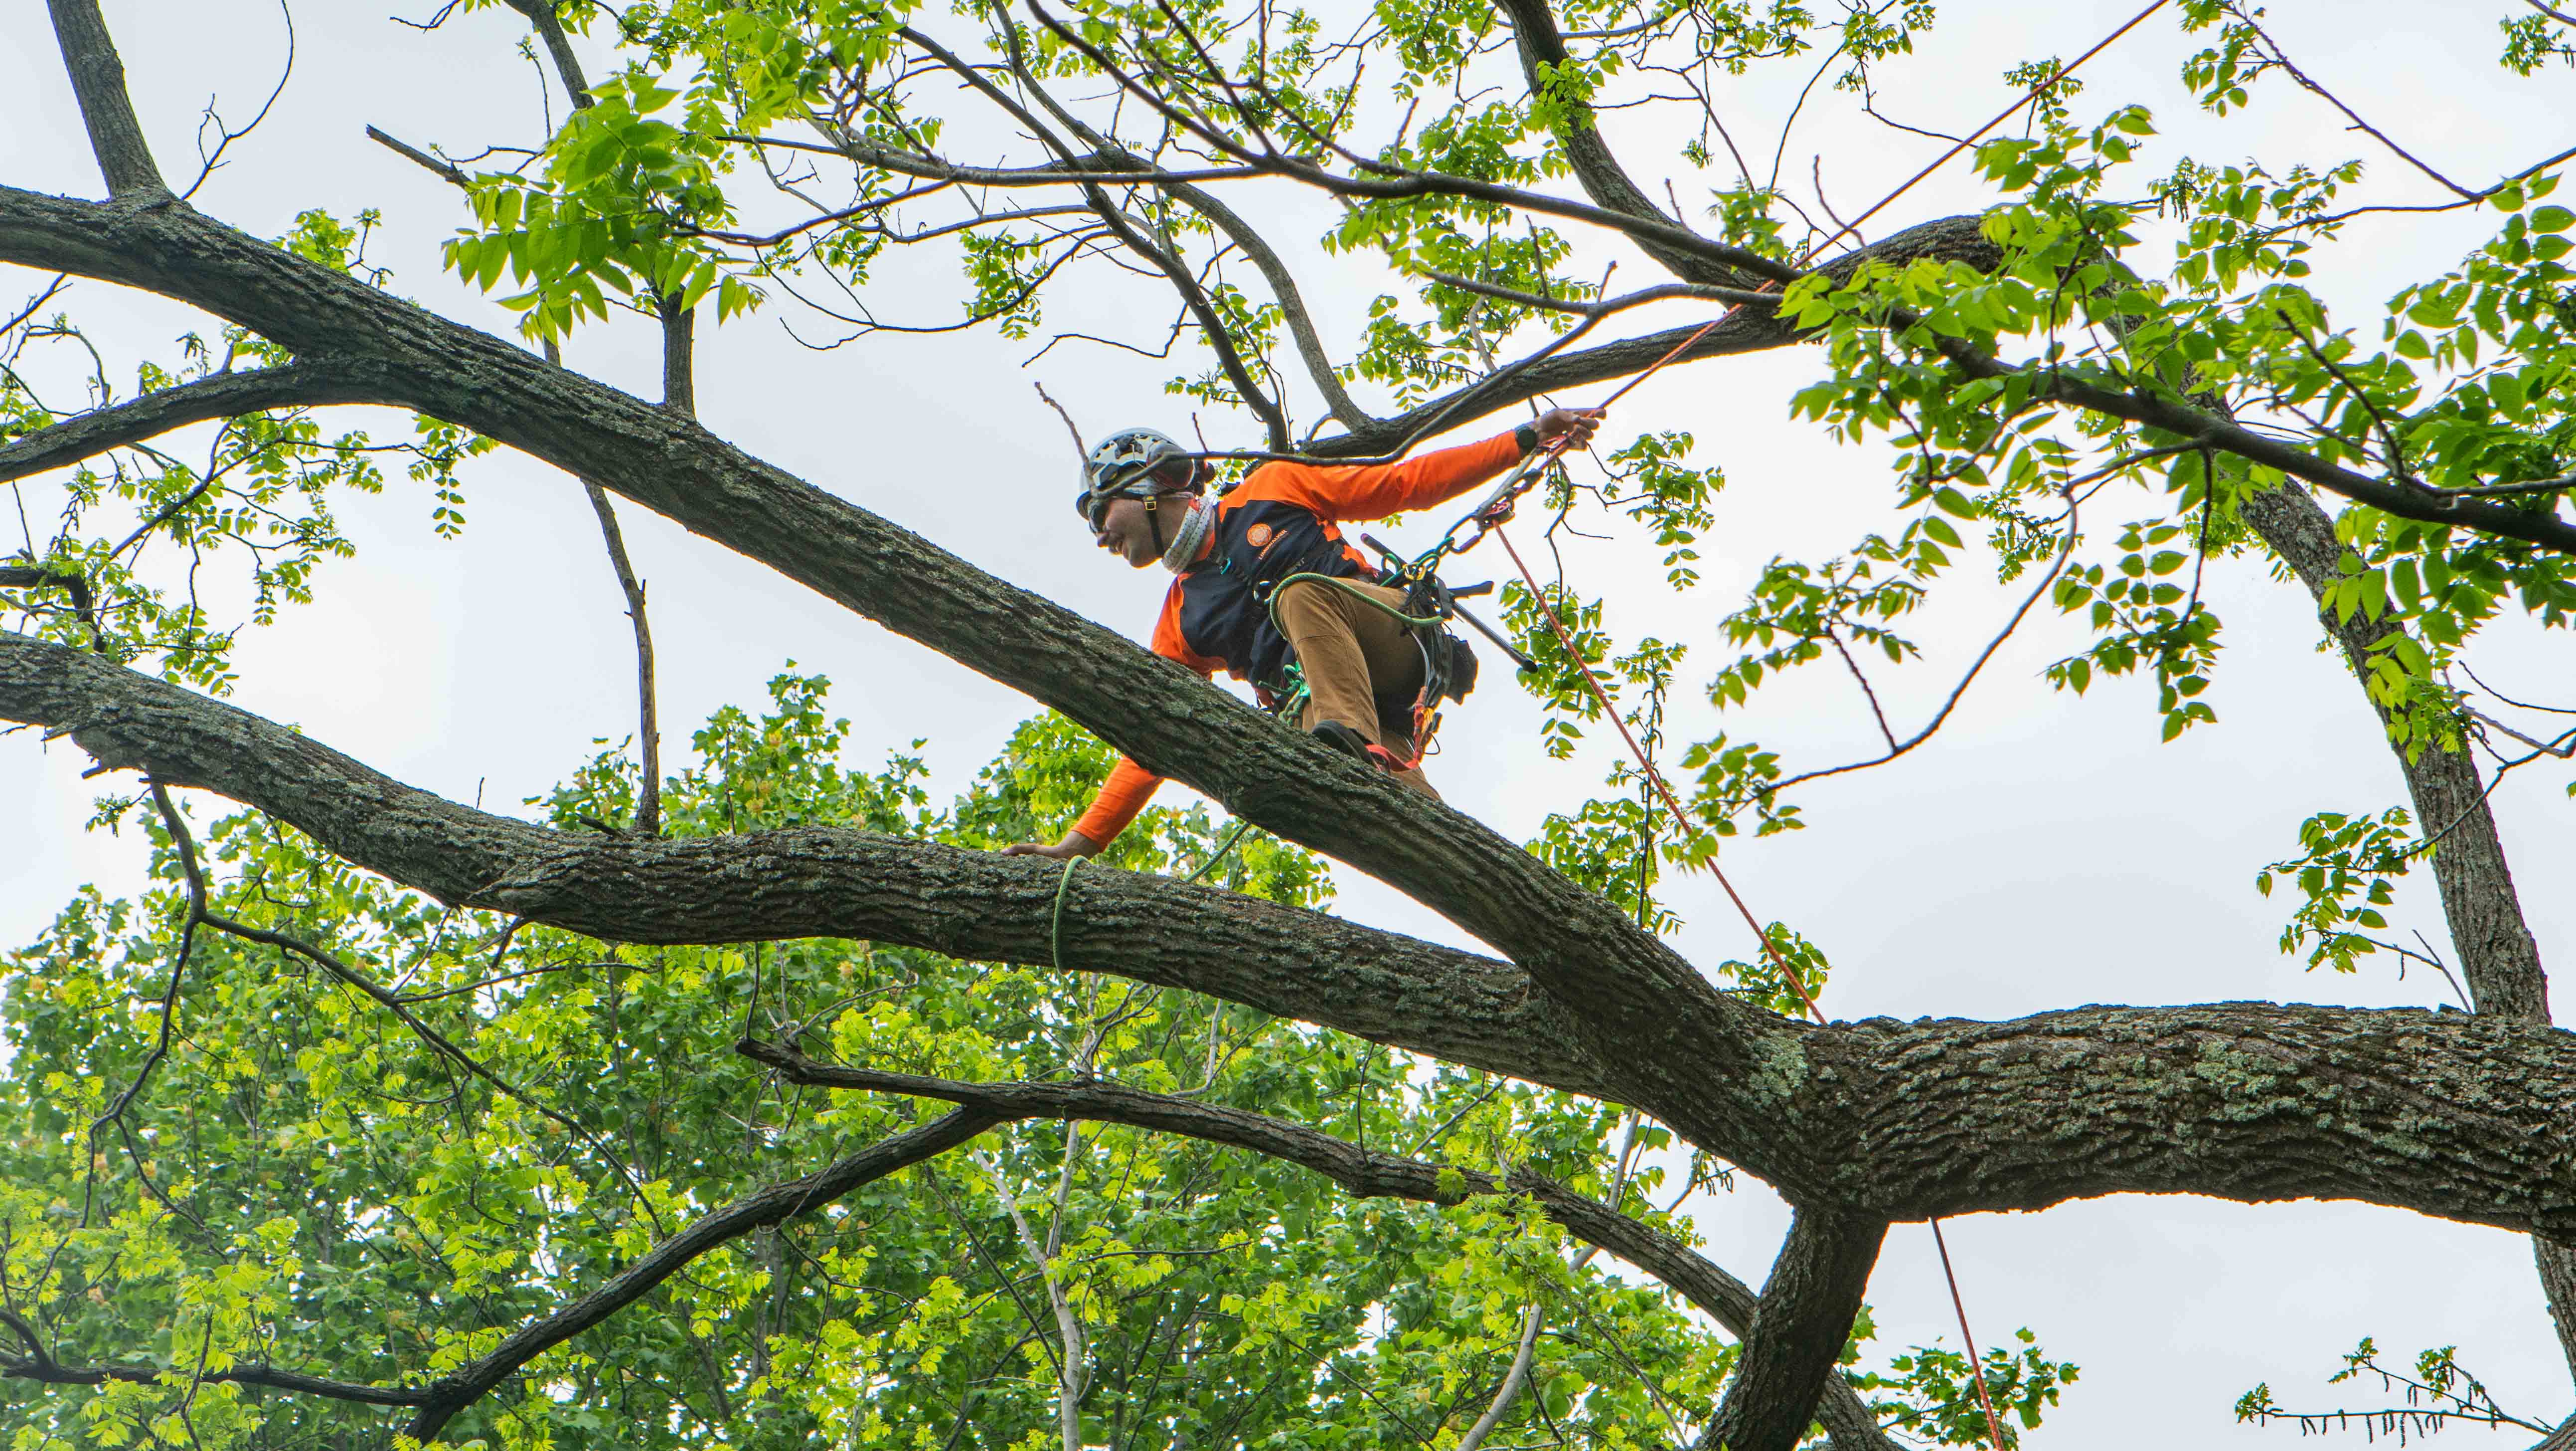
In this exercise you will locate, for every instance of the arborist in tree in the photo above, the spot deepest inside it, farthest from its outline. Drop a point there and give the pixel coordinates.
(1267, 581)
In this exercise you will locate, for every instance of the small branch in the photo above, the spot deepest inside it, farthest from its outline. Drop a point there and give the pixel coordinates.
(1897, 748)
(445, 171)
(1078, 450)
(1363, 1173)
(98, 81)
(2387, 433)
(1662, 292)
(2282, 60)
(39, 1365)
(1893, 749)
(1513, 1380)
(648, 798)
(438, 1042)
(541, 14)
(52, 290)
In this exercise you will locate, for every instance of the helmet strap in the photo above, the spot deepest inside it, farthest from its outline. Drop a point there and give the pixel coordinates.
(1154, 521)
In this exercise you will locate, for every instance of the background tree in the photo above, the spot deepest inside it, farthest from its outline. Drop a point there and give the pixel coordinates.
(2012, 366)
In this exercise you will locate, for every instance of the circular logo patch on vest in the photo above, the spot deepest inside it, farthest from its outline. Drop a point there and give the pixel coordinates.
(1257, 536)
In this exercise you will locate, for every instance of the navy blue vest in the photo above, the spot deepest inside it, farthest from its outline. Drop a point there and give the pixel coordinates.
(1224, 612)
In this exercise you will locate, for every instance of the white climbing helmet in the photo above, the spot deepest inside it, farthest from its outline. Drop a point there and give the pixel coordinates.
(1134, 463)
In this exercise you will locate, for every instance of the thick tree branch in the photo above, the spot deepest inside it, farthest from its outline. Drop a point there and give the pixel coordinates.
(305, 383)
(1746, 330)
(1363, 1173)
(2498, 954)
(978, 905)
(1806, 1316)
(679, 355)
(98, 81)
(2463, 1116)
(1630, 986)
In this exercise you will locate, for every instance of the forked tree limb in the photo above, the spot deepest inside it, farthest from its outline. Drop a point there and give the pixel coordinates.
(1363, 1173)
(2457, 1115)
(1630, 986)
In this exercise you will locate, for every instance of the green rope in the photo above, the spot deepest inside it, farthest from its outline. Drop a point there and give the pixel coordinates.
(1064, 883)
(1218, 855)
(1055, 922)
(1423, 622)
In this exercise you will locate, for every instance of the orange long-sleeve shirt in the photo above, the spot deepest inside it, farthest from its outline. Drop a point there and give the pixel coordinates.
(1272, 524)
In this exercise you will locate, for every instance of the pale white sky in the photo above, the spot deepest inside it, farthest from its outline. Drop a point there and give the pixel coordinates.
(2042, 852)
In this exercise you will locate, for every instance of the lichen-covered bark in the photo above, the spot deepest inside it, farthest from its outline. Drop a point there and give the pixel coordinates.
(2498, 954)
(1807, 1308)
(2466, 1116)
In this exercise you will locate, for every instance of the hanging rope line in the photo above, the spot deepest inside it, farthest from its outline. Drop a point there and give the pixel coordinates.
(1488, 519)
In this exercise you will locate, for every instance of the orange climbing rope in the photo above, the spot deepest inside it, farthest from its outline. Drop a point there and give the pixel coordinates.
(1490, 518)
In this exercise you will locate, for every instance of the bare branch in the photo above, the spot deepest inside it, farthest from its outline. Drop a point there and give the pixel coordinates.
(305, 383)
(1896, 748)
(445, 171)
(2308, 83)
(648, 797)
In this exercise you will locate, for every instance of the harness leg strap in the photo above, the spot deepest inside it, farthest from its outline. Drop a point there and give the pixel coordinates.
(1352, 654)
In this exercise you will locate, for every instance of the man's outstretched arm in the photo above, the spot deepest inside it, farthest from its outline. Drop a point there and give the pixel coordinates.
(1373, 491)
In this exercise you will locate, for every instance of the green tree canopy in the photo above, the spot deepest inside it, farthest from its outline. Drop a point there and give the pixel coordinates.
(759, 1101)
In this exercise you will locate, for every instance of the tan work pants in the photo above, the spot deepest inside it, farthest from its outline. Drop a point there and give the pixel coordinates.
(1362, 666)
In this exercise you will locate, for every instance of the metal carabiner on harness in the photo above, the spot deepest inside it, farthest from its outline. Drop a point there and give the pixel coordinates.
(1425, 594)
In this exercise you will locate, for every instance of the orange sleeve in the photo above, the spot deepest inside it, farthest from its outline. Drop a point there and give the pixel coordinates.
(1373, 491)
(1123, 795)
(1129, 785)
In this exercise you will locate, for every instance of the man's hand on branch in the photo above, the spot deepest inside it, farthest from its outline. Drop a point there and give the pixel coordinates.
(1575, 425)
(1074, 844)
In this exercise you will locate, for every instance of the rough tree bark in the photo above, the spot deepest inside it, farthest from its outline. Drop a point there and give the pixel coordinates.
(2459, 1115)
(1858, 1124)
(2498, 954)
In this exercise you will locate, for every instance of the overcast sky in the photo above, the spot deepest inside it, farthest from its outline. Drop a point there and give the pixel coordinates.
(2042, 852)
